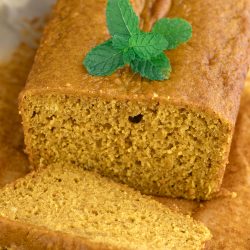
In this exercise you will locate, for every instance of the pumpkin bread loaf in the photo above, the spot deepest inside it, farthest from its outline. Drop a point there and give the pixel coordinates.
(65, 207)
(167, 138)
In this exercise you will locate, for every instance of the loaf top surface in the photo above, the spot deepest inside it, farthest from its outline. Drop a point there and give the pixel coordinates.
(208, 71)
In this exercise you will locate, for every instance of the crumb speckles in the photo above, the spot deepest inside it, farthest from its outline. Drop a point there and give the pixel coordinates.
(137, 144)
(234, 195)
(155, 95)
(98, 210)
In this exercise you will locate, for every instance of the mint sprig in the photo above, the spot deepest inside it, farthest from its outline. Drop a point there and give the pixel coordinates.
(148, 45)
(104, 59)
(157, 68)
(143, 51)
(120, 42)
(121, 18)
(175, 30)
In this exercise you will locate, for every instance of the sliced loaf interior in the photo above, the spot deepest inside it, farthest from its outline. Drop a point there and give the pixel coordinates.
(157, 149)
(66, 199)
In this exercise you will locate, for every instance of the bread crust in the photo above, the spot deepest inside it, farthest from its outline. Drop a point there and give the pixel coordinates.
(208, 72)
(26, 236)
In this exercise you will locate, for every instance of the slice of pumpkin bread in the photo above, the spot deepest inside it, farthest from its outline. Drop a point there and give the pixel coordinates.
(169, 138)
(65, 207)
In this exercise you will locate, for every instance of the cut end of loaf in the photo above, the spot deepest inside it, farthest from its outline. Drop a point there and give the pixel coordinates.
(159, 149)
(66, 199)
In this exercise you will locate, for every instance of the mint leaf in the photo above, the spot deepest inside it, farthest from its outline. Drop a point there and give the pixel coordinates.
(120, 42)
(147, 45)
(157, 68)
(143, 51)
(175, 30)
(121, 18)
(103, 60)
(128, 56)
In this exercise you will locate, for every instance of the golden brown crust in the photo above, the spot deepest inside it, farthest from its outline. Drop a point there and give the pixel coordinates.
(228, 217)
(26, 236)
(208, 72)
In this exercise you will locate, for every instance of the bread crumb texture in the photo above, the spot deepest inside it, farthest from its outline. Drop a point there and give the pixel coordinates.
(80, 203)
(162, 150)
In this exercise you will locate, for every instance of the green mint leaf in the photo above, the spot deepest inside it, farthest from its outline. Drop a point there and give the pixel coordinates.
(128, 55)
(157, 68)
(121, 18)
(143, 51)
(120, 42)
(147, 45)
(175, 30)
(103, 60)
